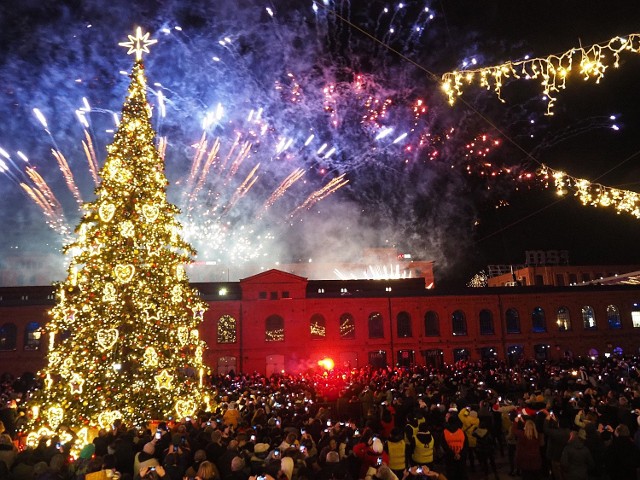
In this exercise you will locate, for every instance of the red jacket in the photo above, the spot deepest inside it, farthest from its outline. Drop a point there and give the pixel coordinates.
(368, 457)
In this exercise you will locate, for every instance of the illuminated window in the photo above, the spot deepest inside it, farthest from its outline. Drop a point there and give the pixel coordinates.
(458, 323)
(317, 327)
(588, 318)
(376, 328)
(8, 336)
(635, 315)
(538, 320)
(563, 319)
(486, 322)
(32, 336)
(513, 320)
(404, 325)
(347, 326)
(274, 329)
(613, 317)
(431, 324)
(227, 329)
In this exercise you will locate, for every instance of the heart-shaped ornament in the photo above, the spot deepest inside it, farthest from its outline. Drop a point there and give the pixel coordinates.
(107, 338)
(106, 212)
(150, 212)
(124, 273)
(185, 408)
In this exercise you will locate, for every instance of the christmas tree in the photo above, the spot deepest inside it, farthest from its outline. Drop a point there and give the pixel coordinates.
(123, 338)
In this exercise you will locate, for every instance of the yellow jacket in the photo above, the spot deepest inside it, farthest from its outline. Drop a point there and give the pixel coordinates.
(469, 423)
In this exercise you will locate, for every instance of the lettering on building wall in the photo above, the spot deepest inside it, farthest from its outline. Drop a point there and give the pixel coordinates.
(546, 257)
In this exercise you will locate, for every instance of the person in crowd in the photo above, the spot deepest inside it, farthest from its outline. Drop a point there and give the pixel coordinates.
(556, 435)
(423, 445)
(396, 447)
(8, 451)
(470, 422)
(486, 446)
(455, 447)
(622, 457)
(528, 457)
(576, 460)
(145, 459)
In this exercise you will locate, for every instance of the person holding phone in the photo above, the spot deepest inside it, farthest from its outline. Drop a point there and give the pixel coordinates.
(145, 459)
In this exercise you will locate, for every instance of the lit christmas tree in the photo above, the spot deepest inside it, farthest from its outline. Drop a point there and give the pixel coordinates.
(123, 338)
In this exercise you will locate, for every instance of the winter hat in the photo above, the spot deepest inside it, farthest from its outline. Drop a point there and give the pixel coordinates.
(88, 451)
(377, 446)
(149, 448)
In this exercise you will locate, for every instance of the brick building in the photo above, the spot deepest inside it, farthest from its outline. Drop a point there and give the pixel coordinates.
(277, 321)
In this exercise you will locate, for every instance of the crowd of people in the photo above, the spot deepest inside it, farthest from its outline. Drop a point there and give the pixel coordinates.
(577, 420)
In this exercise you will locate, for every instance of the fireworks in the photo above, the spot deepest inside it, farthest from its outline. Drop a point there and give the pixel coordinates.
(286, 132)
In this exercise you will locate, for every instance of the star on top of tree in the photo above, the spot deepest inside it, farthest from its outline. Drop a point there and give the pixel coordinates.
(138, 44)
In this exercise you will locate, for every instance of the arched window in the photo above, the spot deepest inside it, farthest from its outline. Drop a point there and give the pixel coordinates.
(8, 336)
(538, 320)
(431, 324)
(32, 336)
(376, 328)
(458, 323)
(613, 317)
(347, 326)
(274, 329)
(513, 320)
(588, 318)
(317, 327)
(227, 332)
(486, 322)
(404, 325)
(563, 319)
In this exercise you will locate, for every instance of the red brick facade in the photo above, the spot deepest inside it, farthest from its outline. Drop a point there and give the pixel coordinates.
(278, 321)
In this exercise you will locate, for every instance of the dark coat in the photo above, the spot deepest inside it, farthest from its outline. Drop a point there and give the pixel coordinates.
(576, 460)
(622, 458)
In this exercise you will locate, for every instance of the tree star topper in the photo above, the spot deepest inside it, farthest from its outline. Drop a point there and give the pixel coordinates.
(138, 44)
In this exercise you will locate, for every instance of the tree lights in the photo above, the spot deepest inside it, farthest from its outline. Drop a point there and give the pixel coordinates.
(123, 333)
(552, 71)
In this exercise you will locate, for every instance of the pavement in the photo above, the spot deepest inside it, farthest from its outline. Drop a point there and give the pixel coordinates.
(502, 464)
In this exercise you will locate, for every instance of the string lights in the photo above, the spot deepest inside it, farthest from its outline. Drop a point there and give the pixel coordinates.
(113, 352)
(552, 71)
(594, 194)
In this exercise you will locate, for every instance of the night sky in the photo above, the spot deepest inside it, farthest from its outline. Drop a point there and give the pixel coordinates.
(311, 91)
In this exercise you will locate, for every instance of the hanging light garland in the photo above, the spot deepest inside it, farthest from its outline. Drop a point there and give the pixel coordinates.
(552, 71)
(594, 194)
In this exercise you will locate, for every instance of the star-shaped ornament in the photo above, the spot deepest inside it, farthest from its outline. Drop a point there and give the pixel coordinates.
(163, 380)
(138, 44)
